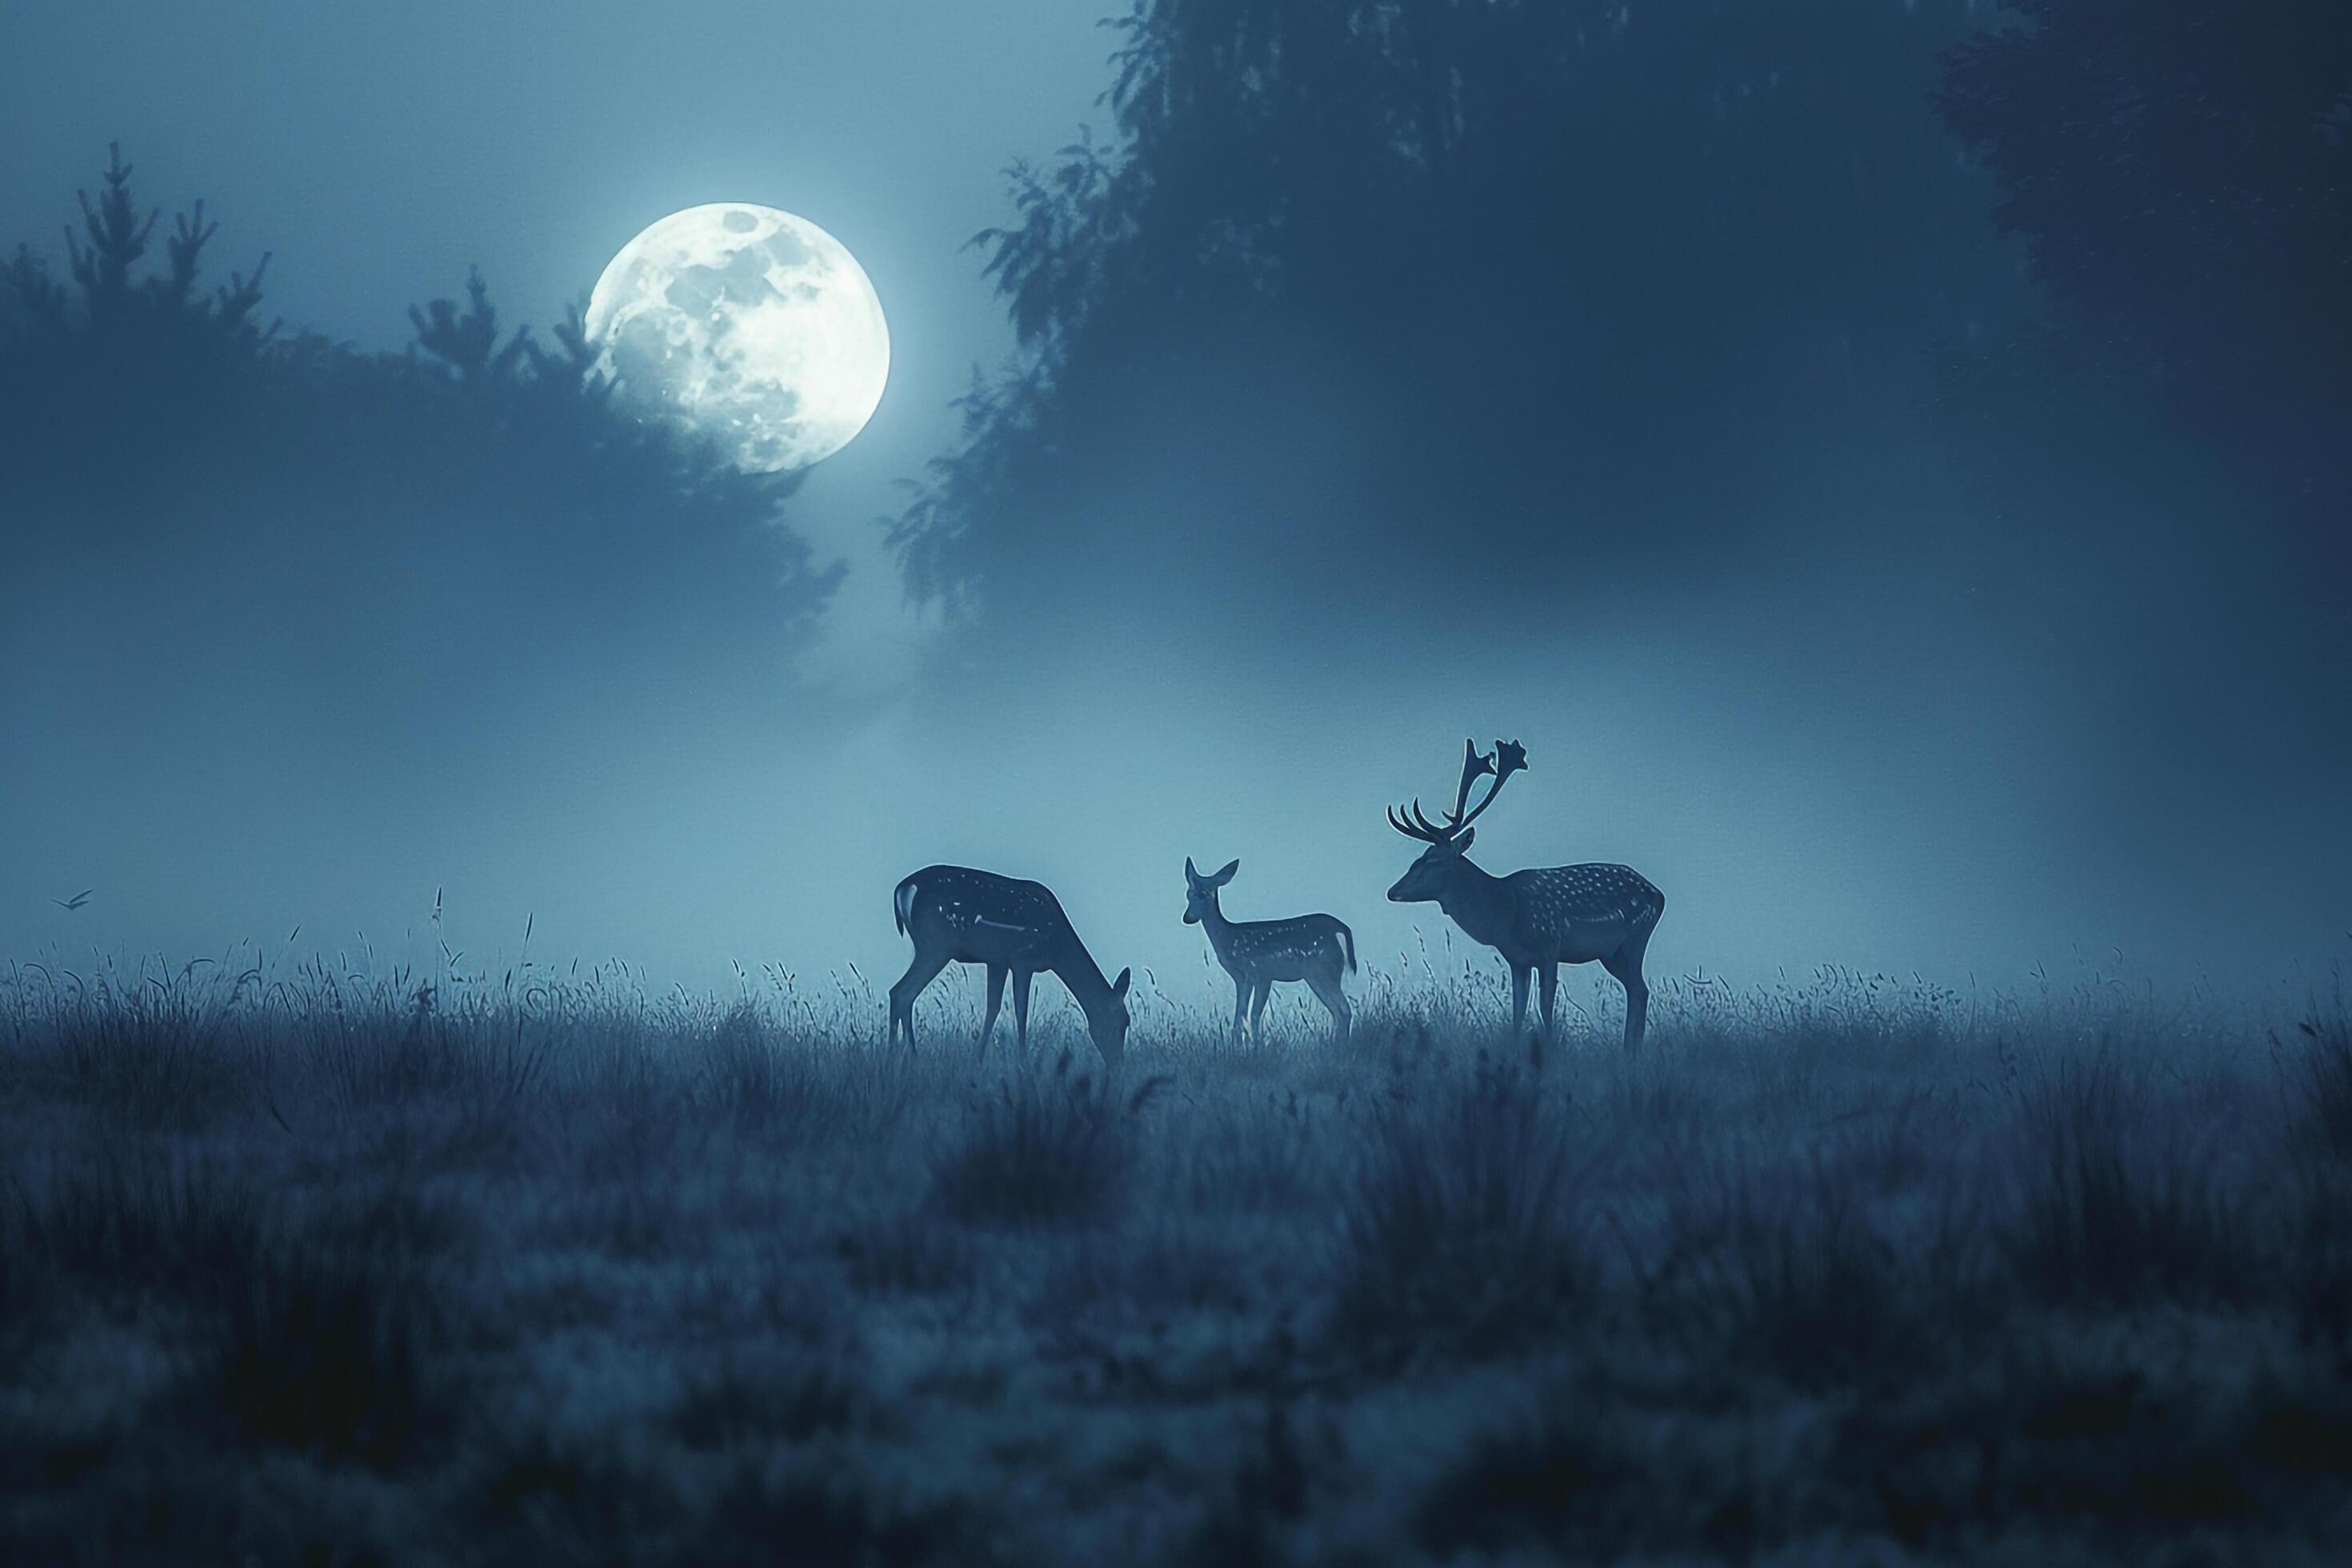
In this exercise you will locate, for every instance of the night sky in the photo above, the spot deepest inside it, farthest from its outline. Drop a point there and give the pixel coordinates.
(1731, 564)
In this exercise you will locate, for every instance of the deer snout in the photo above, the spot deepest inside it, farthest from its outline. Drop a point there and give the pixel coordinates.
(1415, 887)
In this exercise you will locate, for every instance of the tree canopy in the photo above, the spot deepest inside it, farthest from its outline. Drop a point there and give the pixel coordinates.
(2181, 174)
(1350, 290)
(1348, 276)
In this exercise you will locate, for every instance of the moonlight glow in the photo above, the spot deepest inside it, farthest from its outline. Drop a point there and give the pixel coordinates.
(751, 325)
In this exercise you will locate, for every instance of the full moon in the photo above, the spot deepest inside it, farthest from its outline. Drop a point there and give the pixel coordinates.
(746, 324)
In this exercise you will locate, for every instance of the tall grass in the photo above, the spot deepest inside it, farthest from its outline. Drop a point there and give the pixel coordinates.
(136, 1219)
(1464, 1225)
(147, 1045)
(331, 1348)
(1049, 1146)
(2327, 1075)
(351, 1267)
(2115, 1203)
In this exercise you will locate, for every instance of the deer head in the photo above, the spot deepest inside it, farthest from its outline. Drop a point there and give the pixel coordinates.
(1200, 892)
(1425, 880)
(1108, 1020)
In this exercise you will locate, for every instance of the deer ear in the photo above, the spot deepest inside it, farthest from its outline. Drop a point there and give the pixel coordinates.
(1464, 842)
(1190, 874)
(1118, 986)
(1222, 877)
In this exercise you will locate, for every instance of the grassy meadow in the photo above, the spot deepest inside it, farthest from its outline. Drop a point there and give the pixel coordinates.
(315, 1267)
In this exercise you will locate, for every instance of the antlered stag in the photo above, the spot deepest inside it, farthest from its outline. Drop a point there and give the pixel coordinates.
(1538, 920)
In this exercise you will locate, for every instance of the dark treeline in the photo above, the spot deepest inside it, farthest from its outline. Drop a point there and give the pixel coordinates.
(1581, 287)
(2181, 174)
(441, 534)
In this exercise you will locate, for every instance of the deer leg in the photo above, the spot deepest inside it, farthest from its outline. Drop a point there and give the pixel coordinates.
(1020, 1011)
(1548, 976)
(1257, 1010)
(1519, 973)
(1241, 1003)
(919, 973)
(996, 972)
(1626, 964)
(1326, 991)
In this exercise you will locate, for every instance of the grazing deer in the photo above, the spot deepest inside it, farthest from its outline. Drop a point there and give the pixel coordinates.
(1256, 954)
(1538, 920)
(956, 915)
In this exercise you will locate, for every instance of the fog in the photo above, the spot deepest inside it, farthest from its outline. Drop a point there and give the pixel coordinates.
(1727, 555)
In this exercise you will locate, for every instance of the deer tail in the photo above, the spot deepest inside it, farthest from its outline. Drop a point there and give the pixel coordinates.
(902, 904)
(1346, 943)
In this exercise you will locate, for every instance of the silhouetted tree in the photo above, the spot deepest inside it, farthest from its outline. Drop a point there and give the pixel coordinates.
(2180, 173)
(415, 520)
(1347, 272)
(466, 341)
(131, 338)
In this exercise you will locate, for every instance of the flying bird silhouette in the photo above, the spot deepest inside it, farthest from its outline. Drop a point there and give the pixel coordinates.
(77, 901)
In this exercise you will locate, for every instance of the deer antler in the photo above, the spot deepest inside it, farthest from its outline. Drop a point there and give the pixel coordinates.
(1426, 833)
(1509, 757)
(1473, 765)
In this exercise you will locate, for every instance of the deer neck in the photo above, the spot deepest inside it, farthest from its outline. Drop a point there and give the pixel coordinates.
(1480, 904)
(1220, 930)
(1083, 977)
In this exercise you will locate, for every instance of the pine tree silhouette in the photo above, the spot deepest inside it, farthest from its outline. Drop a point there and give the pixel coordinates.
(334, 476)
(467, 340)
(116, 239)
